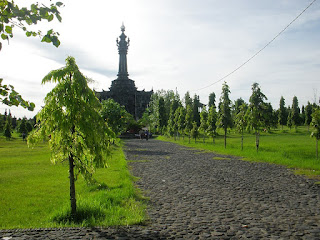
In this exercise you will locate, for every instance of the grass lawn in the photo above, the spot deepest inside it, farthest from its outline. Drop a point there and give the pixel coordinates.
(292, 148)
(34, 193)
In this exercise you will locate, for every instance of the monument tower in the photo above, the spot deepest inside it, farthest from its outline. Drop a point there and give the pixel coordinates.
(123, 89)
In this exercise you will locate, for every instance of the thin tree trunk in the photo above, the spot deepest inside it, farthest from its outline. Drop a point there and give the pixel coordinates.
(317, 153)
(225, 138)
(72, 187)
(257, 140)
(242, 141)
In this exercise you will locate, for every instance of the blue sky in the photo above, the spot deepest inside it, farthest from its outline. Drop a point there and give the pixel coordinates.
(183, 44)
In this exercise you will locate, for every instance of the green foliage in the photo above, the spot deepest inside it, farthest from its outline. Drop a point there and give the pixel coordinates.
(290, 121)
(195, 109)
(10, 97)
(225, 119)
(212, 121)
(257, 107)
(316, 123)
(194, 131)
(11, 16)
(212, 100)
(282, 116)
(240, 119)
(308, 113)
(163, 119)
(188, 120)
(295, 112)
(22, 128)
(8, 128)
(181, 119)
(115, 115)
(204, 121)
(71, 118)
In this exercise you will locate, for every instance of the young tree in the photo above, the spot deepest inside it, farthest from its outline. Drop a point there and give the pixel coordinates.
(181, 120)
(289, 120)
(187, 99)
(203, 123)
(282, 116)
(270, 119)
(188, 121)
(212, 100)
(71, 118)
(316, 124)
(115, 115)
(257, 108)
(295, 112)
(212, 122)
(196, 105)
(240, 121)
(163, 119)
(308, 117)
(237, 104)
(22, 128)
(195, 131)
(225, 119)
(8, 128)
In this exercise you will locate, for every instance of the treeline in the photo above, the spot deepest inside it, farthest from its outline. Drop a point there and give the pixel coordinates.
(168, 114)
(9, 124)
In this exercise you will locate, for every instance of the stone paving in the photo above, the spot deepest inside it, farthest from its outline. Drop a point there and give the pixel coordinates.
(202, 195)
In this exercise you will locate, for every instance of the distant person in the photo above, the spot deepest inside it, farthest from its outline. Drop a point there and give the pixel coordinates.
(141, 134)
(147, 134)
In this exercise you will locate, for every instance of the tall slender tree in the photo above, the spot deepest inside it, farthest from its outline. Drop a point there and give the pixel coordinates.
(295, 112)
(308, 117)
(203, 123)
(282, 116)
(240, 121)
(316, 124)
(257, 107)
(196, 105)
(212, 100)
(212, 122)
(188, 121)
(225, 119)
(71, 117)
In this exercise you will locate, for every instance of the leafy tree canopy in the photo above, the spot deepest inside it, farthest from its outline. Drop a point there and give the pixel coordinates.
(71, 117)
(11, 16)
(115, 115)
(10, 97)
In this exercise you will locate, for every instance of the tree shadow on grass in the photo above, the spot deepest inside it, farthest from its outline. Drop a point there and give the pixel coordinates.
(86, 215)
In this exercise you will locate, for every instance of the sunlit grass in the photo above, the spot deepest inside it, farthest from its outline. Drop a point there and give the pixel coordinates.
(35, 193)
(292, 148)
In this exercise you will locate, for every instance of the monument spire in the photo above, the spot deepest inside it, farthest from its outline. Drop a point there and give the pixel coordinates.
(123, 50)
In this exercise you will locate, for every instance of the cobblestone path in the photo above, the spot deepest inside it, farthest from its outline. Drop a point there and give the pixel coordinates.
(202, 195)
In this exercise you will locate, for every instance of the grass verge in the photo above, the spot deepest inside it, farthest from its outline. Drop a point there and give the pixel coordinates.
(291, 148)
(35, 193)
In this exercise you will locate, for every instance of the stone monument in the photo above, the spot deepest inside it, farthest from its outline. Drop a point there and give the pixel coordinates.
(123, 89)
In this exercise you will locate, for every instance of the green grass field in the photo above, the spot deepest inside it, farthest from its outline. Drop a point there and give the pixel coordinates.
(34, 193)
(292, 148)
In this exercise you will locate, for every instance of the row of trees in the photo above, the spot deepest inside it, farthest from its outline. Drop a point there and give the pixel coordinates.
(9, 124)
(168, 114)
